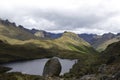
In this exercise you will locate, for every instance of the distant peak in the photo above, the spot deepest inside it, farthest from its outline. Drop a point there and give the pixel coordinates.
(7, 22)
(71, 35)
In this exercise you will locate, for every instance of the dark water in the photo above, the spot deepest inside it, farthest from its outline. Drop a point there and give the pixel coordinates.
(35, 67)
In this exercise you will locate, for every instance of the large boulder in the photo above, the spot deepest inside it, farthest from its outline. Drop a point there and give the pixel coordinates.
(52, 67)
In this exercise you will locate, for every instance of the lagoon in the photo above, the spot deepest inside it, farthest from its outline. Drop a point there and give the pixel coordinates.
(35, 67)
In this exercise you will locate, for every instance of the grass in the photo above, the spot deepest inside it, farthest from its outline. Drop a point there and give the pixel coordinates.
(15, 32)
(67, 46)
(104, 45)
(20, 52)
(19, 76)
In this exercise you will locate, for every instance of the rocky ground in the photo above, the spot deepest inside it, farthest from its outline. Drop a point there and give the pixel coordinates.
(50, 73)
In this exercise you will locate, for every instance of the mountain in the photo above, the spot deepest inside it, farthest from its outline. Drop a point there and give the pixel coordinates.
(69, 39)
(106, 39)
(100, 42)
(102, 39)
(10, 30)
(39, 33)
(111, 57)
(69, 45)
(104, 45)
(10, 53)
(104, 66)
(112, 51)
(90, 38)
(19, 41)
(14, 34)
(44, 34)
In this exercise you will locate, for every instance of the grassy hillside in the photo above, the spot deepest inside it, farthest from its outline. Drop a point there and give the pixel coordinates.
(20, 76)
(17, 43)
(104, 45)
(113, 50)
(20, 52)
(10, 30)
(111, 57)
(67, 46)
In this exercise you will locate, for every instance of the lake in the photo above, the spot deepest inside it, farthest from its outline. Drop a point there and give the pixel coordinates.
(35, 67)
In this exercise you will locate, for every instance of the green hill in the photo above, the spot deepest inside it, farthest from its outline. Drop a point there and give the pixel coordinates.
(104, 45)
(111, 57)
(21, 52)
(67, 46)
(10, 30)
(18, 42)
(113, 50)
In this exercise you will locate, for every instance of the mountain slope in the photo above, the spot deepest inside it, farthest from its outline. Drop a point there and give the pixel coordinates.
(68, 39)
(21, 52)
(10, 30)
(104, 45)
(44, 34)
(100, 42)
(69, 45)
(90, 38)
(111, 57)
(113, 50)
(102, 39)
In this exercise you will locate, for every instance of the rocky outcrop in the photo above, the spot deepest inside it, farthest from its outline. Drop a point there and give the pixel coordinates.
(4, 69)
(116, 76)
(102, 68)
(40, 34)
(52, 67)
(88, 77)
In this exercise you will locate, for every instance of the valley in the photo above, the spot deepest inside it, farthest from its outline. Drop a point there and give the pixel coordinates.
(91, 51)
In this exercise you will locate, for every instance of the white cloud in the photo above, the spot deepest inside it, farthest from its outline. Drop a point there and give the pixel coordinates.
(41, 24)
(92, 16)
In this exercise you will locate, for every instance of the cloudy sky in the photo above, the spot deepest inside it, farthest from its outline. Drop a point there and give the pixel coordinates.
(80, 16)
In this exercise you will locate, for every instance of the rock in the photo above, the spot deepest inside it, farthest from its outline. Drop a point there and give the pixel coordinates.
(111, 60)
(52, 67)
(104, 77)
(4, 69)
(102, 69)
(96, 77)
(89, 77)
(53, 78)
(116, 76)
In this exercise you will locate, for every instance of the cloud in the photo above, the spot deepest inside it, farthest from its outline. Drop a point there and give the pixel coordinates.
(80, 16)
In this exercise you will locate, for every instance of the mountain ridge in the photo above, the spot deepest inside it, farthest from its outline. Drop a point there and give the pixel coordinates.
(99, 42)
(67, 45)
(12, 31)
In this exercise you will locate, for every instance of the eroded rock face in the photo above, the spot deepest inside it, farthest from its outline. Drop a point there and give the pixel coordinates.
(52, 67)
